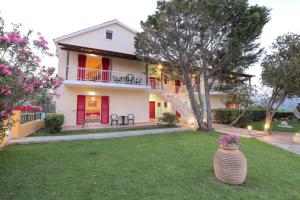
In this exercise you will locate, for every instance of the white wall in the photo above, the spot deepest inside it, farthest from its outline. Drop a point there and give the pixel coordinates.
(121, 102)
(123, 39)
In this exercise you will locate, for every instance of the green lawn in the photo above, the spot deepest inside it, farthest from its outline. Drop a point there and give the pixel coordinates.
(260, 126)
(166, 166)
(102, 130)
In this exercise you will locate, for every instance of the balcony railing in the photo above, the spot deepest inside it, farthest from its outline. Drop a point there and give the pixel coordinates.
(27, 117)
(105, 76)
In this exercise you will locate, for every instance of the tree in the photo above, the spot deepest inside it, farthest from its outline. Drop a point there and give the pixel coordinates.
(228, 40)
(170, 36)
(281, 72)
(240, 93)
(22, 76)
(202, 40)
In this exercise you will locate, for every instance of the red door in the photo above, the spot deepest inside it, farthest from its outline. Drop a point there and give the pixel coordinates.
(104, 109)
(80, 109)
(81, 67)
(105, 69)
(177, 86)
(152, 109)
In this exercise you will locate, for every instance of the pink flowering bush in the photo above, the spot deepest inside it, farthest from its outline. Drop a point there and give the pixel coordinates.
(229, 140)
(23, 78)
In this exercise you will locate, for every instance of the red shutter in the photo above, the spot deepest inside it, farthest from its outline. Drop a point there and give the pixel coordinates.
(152, 82)
(104, 109)
(105, 68)
(80, 109)
(177, 86)
(81, 66)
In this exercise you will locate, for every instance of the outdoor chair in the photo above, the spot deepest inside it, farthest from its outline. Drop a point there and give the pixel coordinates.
(114, 118)
(115, 79)
(130, 117)
(129, 78)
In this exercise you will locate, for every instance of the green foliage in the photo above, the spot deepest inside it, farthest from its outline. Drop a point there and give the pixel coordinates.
(169, 118)
(217, 35)
(226, 116)
(298, 107)
(54, 122)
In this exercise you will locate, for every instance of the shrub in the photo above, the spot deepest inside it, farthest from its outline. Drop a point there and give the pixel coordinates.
(54, 122)
(169, 118)
(226, 116)
(279, 115)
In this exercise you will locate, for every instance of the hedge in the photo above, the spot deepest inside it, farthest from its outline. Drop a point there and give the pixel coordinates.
(54, 122)
(226, 116)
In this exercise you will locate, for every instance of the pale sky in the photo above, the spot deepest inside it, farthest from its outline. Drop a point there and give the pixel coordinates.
(54, 18)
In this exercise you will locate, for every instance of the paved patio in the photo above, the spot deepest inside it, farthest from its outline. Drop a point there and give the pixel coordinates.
(42, 139)
(241, 132)
(282, 140)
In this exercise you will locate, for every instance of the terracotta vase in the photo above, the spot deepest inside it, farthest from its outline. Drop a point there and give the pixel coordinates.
(230, 165)
(3, 143)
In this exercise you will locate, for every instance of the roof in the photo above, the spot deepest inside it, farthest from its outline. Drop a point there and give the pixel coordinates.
(100, 52)
(92, 28)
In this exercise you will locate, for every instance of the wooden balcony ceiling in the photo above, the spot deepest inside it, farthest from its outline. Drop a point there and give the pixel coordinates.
(100, 52)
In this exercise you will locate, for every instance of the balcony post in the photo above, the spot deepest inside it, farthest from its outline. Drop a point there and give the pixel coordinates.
(147, 74)
(67, 64)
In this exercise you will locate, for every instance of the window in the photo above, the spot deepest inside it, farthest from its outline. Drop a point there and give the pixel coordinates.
(158, 104)
(109, 35)
(165, 104)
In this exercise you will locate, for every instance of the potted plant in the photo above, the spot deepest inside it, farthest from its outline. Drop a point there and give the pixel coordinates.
(230, 164)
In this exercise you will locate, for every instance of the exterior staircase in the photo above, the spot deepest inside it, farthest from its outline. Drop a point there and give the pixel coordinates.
(180, 105)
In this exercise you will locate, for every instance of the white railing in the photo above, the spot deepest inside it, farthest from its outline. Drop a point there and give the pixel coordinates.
(96, 75)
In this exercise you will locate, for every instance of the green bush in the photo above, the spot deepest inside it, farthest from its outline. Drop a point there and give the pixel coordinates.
(169, 118)
(226, 116)
(279, 115)
(54, 122)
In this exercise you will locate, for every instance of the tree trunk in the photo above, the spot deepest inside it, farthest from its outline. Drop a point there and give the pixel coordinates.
(201, 103)
(238, 118)
(270, 111)
(207, 98)
(188, 84)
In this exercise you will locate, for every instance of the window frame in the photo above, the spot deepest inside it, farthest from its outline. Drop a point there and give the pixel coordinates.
(111, 32)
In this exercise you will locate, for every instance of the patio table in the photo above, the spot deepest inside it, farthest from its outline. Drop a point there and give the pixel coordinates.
(123, 119)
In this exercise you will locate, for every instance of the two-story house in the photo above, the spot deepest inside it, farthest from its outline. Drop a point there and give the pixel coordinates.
(103, 77)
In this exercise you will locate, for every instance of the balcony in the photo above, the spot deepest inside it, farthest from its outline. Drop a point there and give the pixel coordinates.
(105, 78)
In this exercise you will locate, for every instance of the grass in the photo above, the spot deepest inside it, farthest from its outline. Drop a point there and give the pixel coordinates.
(166, 166)
(102, 130)
(260, 126)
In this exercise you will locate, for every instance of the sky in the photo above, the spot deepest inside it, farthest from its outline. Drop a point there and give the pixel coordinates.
(54, 18)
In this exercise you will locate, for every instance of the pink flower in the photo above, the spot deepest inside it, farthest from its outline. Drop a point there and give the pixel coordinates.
(51, 70)
(41, 42)
(4, 38)
(5, 70)
(27, 88)
(6, 91)
(56, 82)
(3, 114)
(229, 139)
(14, 37)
